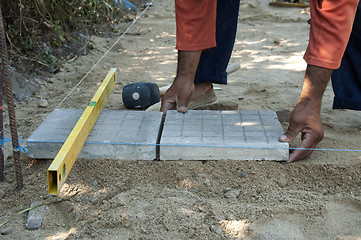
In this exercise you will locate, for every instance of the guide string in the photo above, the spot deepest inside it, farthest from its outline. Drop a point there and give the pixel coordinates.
(210, 146)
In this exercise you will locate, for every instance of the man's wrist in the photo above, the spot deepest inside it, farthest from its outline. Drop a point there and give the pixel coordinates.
(315, 83)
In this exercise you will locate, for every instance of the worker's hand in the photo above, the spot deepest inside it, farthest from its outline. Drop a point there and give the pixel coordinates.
(180, 93)
(305, 119)
(178, 96)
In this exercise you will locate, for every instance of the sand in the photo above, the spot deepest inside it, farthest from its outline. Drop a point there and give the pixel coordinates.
(317, 198)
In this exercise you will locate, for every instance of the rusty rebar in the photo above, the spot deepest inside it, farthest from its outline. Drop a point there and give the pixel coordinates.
(11, 106)
(2, 159)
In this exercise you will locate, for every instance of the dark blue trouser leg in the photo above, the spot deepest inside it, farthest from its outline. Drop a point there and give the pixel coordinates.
(346, 81)
(213, 63)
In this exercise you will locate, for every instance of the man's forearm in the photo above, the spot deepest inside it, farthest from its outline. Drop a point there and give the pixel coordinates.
(315, 82)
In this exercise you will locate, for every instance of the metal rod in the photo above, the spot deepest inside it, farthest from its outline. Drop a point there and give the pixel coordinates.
(2, 160)
(11, 106)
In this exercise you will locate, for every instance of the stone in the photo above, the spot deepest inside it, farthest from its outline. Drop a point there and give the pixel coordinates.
(35, 217)
(43, 103)
(233, 194)
(282, 181)
(5, 232)
(9, 164)
(222, 135)
(2, 194)
(22, 87)
(283, 198)
(195, 135)
(122, 135)
(216, 229)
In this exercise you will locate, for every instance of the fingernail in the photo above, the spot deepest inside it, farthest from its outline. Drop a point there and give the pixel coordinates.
(182, 109)
(283, 138)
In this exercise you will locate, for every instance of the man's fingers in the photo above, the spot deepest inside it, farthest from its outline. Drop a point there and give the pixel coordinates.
(290, 134)
(182, 109)
(309, 141)
(299, 155)
(168, 104)
(182, 105)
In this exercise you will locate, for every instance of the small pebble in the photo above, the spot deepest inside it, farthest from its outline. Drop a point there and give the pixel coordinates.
(232, 194)
(191, 233)
(4, 232)
(283, 198)
(35, 217)
(241, 174)
(43, 103)
(95, 183)
(9, 164)
(282, 181)
(207, 182)
(2, 194)
(230, 217)
(85, 200)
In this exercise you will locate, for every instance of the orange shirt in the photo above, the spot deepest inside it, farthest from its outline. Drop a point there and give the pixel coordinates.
(196, 24)
(331, 25)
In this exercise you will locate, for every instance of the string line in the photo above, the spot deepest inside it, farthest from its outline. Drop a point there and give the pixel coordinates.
(6, 140)
(210, 146)
(81, 80)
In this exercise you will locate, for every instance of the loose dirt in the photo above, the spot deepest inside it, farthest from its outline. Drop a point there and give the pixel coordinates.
(317, 198)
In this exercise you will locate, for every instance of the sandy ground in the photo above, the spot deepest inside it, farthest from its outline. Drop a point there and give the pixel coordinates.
(318, 198)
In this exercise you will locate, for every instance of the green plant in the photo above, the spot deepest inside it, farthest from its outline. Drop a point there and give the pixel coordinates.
(30, 23)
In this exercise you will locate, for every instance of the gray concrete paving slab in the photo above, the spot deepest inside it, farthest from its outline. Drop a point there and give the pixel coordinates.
(222, 135)
(105, 140)
(196, 135)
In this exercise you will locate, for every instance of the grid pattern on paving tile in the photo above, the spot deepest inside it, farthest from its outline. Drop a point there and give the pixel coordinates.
(226, 130)
(111, 129)
(132, 135)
